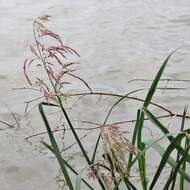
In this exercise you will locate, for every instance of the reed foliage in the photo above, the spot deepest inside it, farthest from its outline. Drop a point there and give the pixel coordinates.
(120, 155)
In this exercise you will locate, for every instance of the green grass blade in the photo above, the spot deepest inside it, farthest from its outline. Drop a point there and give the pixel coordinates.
(141, 160)
(95, 149)
(74, 133)
(165, 157)
(55, 148)
(156, 80)
(172, 176)
(79, 178)
(49, 104)
(176, 169)
(182, 178)
(128, 184)
(142, 164)
(140, 146)
(161, 150)
(142, 152)
(183, 119)
(158, 124)
(48, 146)
(133, 139)
(146, 148)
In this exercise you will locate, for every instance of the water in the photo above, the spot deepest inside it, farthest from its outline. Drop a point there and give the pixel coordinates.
(118, 41)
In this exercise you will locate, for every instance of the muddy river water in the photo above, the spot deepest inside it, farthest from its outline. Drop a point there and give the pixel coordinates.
(120, 43)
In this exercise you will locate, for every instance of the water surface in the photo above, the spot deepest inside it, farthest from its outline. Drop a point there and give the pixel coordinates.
(118, 41)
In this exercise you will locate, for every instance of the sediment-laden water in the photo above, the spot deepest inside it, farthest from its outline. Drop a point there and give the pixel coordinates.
(118, 41)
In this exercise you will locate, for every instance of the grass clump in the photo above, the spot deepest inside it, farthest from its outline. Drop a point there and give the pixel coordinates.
(120, 155)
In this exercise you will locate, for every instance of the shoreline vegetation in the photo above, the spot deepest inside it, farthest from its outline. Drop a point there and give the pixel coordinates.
(119, 154)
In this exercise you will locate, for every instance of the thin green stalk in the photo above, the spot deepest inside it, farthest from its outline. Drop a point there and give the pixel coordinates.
(107, 116)
(56, 148)
(133, 140)
(164, 130)
(73, 131)
(68, 165)
(178, 153)
(149, 145)
(156, 80)
(128, 184)
(77, 139)
(182, 179)
(116, 103)
(140, 146)
(165, 157)
(161, 150)
(142, 169)
(96, 148)
(176, 169)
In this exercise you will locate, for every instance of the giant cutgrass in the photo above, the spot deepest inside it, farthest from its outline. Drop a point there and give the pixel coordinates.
(120, 155)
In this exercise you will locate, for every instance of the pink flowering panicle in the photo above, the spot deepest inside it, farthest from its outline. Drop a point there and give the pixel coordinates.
(51, 57)
(116, 148)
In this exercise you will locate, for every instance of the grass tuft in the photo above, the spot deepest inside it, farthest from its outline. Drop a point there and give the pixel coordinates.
(119, 155)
